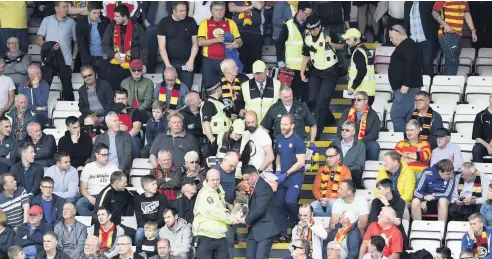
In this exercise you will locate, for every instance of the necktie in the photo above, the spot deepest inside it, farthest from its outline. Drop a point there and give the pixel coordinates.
(261, 88)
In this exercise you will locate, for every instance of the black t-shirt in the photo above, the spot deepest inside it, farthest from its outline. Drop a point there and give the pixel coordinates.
(139, 116)
(149, 247)
(178, 37)
(208, 111)
(334, 38)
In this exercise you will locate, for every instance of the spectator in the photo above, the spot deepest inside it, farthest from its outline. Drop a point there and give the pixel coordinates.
(213, 43)
(395, 11)
(118, 142)
(14, 201)
(365, 17)
(44, 145)
(482, 134)
(163, 249)
(75, 144)
(289, 48)
(422, 27)
(135, 7)
(477, 237)
(304, 117)
(78, 8)
(230, 83)
(451, 17)
(90, 32)
(56, 35)
(131, 119)
(414, 151)
(193, 121)
(91, 249)
(185, 204)
(282, 12)
(338, 20)
(348, 200)
(446, 150)
(429, 119)
(95, 176)
(401, 176)
(250, 21)
(125, 248)
(467, 253)
(259, 93)
(27, 172)
(307, 229)
(96, 95)
(7, 235)
(7, 89)
(211, 230)
(51, 204)
(327, 182)
(259, 143)
(232, 140)
(405, 76)
(50, 247)
(121, 47)
(348, 235)
(14, 23)
(107, 232)
(301, 249)
(193, 172)
(139, 88)
(155, 125)
(152, 14)
(353, 153)
(15, 252)
(20, 116)
(16, 62)
(115, 198)
(178, 50)
(30, 235)
(72, 234)
(178, 232)
(434, 191)
(147, 246)
(367, 124)
(8, 145)
(171, 91)
(65, 177)
(168, 175)
(469, 192)
(36, 90)
(384, 227)
(176, 140)
(149, 206)
(486, 207)
(375, 248)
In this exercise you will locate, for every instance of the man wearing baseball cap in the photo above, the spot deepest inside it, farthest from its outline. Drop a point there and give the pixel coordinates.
(361, 70)
(446, 150)
(30, 235)
(139, 88)
(260, 92)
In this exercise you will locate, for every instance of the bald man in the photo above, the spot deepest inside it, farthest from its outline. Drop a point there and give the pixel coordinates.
(261, 144)
(20, 111)
(405, 76)
(230, 83)
(171, 87)
(191, 113)
(212, 218)
(36, 90)
(44, 145)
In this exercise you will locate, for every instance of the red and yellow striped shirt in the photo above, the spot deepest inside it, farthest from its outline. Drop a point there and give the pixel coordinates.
(453, 13)
(423, 150)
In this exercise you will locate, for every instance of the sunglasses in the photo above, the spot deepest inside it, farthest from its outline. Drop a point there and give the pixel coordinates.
(296, 247)
(136, 70)
(345, 130)
(194, 162)
(87, 76)
(359, 100)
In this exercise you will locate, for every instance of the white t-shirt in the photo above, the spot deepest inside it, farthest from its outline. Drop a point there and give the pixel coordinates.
(6, 85)
(396, 9)
(359, 205)
(97, 177)
(369, 256)
(201, 11)
(261, 139)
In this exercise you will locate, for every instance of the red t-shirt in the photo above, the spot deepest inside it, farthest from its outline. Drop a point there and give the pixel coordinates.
(392, 236)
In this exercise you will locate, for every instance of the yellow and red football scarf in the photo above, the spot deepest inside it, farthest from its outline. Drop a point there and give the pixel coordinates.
(173, 101)
(426, 123)
(246, 16)
(330, 176)
(352, 116)
(307, 234)
(481, 245)
(342, 233)
(127, 44)
(477, 186)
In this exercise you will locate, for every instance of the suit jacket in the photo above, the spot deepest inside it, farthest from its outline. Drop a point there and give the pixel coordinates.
(123, 148)
(429, 25)
(104, 93)
(261, 213)
(38, 172)
(83, 31)
(45, 150)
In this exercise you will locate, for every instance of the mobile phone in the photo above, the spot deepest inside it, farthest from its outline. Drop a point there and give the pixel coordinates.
(462, 198)
(184, 68)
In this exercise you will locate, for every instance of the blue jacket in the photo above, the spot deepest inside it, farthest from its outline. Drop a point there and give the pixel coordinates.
(56, 207)
(36, 96)
(34, 238)
(467, 242)
(431, 183)
(153, 129)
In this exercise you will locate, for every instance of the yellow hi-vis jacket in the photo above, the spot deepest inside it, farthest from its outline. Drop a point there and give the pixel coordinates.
(257, 103)
(368, 84)
(293, 46)
(322, 55)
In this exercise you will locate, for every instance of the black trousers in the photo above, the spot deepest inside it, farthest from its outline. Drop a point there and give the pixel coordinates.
(258, 249)
(250, 51)
(478, 152)
(462, 212)
(211, 248)
(100, 66)
(322, 84)
(116, 74)
(65, 74)
(300, 88)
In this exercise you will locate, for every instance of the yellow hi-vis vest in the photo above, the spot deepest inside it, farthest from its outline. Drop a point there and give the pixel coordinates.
(368, 84)
(293, 46)
(321, 57)
(255, 102)
(219, 123)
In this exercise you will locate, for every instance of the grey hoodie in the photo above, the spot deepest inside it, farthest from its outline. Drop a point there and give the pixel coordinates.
(180, 238)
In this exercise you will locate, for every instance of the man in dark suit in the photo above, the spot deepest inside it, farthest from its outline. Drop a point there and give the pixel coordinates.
(90, 42)
(261, 232)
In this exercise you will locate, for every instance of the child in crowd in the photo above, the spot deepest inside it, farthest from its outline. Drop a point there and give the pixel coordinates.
(155, 125)
(148, 246)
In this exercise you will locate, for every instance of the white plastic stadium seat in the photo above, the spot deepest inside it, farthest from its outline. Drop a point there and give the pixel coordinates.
(56, 133)
(478, 89)
(379, 107)
(156, 78)
(447, 89)
(464, 117)
(392, 137)
(369, 179)
(382, 59)
(483, 63)
(426, 234)
(367, 194)
(67, 106)
(324, 221)
(86, 220)
(60, 116)
(197, 83)
(77, 78)
(141, 163)
(387, 118)
(35, 53)
(383, 88)
(426, 80)
(129, 221)
(484, 167)
(136, 175)
(373, 165)
(446, 110)
(455, 232)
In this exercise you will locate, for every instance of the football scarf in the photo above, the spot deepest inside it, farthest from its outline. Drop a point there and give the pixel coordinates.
(127, 44)
(352, 116)
(426, 122)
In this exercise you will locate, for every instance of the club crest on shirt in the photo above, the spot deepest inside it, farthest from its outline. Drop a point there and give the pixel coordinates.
(290, 145)
(210, 200)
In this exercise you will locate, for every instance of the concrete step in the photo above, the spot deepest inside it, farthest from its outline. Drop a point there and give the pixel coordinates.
(279, 250)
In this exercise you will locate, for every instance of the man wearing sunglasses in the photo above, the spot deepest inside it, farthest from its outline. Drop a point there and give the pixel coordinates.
(139, 88)
(300, 249)
(171, 91)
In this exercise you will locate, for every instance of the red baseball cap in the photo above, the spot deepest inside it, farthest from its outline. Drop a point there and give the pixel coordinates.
(35, 210)
(136, 64)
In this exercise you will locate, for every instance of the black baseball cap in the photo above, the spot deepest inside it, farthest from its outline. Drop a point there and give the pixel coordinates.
(442, 132)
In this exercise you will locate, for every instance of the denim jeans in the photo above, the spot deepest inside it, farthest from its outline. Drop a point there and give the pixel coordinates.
(318, 208)
(84, 207)
(450, 45)
(372, 150)
(136, 146)
(403, 106)
(22, 34)
(428, 53)
(30, 251)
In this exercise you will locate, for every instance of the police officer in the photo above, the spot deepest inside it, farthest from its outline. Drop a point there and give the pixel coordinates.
(319, 51)
(261, 92)
(211, 218)
(361, 70)
(289, 47)
(291, 153)
(215, 122)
